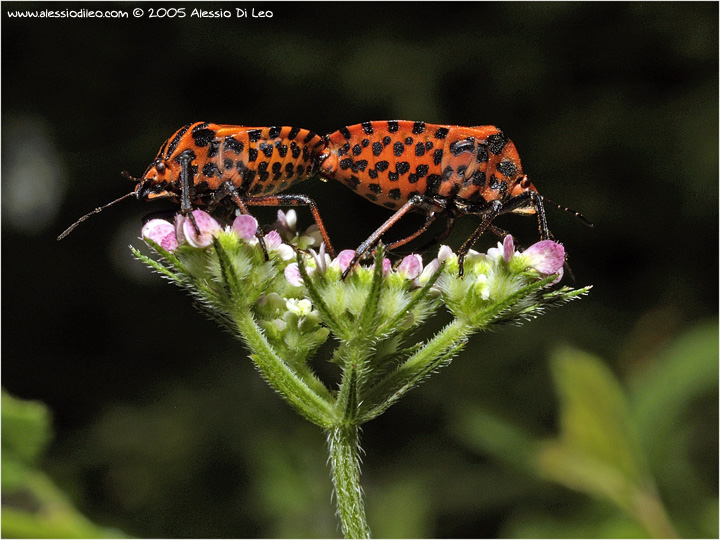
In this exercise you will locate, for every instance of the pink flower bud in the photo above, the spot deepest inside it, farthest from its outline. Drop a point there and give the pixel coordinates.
(245, 226)
(508, 248)
(444, 253)
(411, 266)
(162, 233)
(546, 256)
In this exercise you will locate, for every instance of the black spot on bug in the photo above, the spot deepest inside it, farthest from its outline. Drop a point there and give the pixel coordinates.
(289, 170)
(392, 126)
(493, 184)
(293, 133)
(281, 148)
(371, 196)
(460, 171)
(413, 178)
(367, 127)
(497, 142)
(233, 145)
(478, 178)
(365, 143)
(447, 173)
(240, 165)
(266, 149)
(441, 133)
(200, 126)
(437, 156)
(294, 150)
(309, 137)
(422, 170)
(343, 150)
(386, 140)
(403, 167)
(361, 164)
(373, 174)
(377, 148)
(254, 135)
(482, 153)
(393, 177)
(433, 183)
(345, 132)
(201, 186)
(262, 167)
(274, 131)
(357, 150)
(408, 140)
(507, 168)
(214, 148)
(300, 170)
(346, 163)
(412, 194)
(375, 188)
(398, 148)
(420, 149)
(228, 163)
(390, 205)
(256, 189)
(382, 165)
(394, 194)
(418, 127)
(463, 145)
(276, 168)
(428, 146)
(503, 188)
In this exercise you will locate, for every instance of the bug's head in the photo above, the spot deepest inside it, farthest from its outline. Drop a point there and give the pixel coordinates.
(156, 181)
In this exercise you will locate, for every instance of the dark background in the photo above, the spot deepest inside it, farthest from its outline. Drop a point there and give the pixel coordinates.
(163, 428)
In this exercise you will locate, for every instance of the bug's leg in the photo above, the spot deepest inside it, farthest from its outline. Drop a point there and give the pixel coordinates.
(185, 187)
(229, 190)
(415, 202)
(449, 224)
(295, 200)
(489, 213)
(431, 217)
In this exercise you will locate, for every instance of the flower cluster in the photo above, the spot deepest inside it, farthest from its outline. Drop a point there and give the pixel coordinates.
(287, 299)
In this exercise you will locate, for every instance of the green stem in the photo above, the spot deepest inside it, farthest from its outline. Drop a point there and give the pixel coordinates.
(343, 441)
(315, 407)
(438, 351)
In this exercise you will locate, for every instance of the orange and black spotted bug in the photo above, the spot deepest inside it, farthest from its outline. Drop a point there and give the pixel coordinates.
(207, 164)
(434, 169)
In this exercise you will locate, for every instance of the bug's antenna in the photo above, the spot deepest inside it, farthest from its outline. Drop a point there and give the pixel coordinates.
(578, 215)
(71, 228)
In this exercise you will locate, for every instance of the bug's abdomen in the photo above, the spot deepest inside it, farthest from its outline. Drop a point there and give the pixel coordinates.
(390, 161)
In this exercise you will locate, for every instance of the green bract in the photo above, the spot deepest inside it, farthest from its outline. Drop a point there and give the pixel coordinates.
(284, 309)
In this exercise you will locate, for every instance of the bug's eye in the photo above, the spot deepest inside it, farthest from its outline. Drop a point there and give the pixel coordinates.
(160, 166)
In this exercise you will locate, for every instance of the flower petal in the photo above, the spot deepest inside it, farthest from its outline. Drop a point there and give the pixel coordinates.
(245, 226)
(344, 258)
(546, 256)
(508, 248)
(292, 274)
(207, 225)
(162, 233)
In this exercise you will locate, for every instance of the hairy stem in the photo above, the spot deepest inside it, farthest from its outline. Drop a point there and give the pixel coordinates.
(343, 441)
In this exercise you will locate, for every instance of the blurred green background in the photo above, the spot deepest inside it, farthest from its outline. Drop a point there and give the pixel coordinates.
(161, 427)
